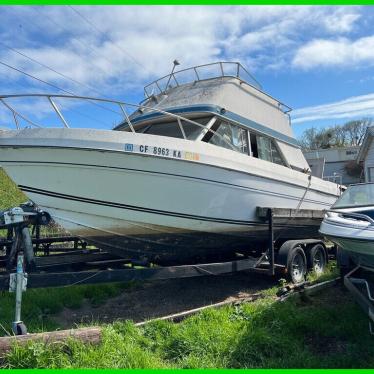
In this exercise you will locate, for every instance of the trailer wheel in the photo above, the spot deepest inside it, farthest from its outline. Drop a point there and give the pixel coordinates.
(296, 265)
(317, 259)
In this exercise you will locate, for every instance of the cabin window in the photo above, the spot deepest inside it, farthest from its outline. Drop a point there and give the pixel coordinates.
(172, 129)
(228, 136)
(193, 131)
(265, 148)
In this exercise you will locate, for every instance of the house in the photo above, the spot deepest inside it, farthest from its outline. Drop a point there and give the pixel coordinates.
(366, 154)
(335, 164)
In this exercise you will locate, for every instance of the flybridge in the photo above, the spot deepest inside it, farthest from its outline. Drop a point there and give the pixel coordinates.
(208, 73)
(200, 73)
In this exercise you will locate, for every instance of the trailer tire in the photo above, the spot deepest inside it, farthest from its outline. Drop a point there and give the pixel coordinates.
(296, 265)
(317, 259)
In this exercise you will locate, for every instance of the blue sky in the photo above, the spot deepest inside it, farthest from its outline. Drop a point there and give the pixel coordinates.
(318, 60)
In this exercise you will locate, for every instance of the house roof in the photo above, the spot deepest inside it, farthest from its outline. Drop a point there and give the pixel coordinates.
(369, 135)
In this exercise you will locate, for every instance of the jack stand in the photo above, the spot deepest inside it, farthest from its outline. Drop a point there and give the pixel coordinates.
(18, 283)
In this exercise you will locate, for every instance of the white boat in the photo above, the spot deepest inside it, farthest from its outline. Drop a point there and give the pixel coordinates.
(180, 178)
(350, 223)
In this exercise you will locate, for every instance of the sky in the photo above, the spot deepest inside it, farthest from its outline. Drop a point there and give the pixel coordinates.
(319, 60)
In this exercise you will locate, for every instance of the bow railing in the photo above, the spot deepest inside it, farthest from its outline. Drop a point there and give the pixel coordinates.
(119, 108)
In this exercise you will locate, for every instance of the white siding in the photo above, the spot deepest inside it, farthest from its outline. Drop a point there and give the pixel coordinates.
(369, 163)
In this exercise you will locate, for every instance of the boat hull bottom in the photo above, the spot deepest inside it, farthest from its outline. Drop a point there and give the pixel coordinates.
(361, 252)
(192, 247)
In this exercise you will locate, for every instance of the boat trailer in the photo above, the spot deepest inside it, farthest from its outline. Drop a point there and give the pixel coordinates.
(360, 283)
(22, 266)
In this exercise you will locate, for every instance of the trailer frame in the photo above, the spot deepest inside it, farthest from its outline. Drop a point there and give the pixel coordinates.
(93, 266)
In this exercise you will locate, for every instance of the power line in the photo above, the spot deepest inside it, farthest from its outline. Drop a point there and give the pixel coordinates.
(38, 62)
(76, 39)
(36, 78)
(73, 110)
(104, 34)
(51, 69)
(57, 72)
(52, 85)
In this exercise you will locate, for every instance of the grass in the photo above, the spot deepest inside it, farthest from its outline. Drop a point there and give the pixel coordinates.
(39, 305)
(324, 331)
(331, 272)
(10, 194)
(328, 330)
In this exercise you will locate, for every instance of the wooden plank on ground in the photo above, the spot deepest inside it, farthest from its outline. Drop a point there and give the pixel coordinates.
(91, 335)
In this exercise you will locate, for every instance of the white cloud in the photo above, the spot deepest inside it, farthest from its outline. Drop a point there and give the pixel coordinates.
(353, 107)
(340, 52)
(341, 21)
(138, 44)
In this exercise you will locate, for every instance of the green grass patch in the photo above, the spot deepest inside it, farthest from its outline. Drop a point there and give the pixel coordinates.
(39, 305)
(9, 192)
(331, 272)
(327, 330)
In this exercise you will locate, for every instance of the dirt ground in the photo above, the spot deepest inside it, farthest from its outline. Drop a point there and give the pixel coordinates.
(147, 300)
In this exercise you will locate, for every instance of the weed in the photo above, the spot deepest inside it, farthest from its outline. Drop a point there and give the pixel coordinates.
(260, 334)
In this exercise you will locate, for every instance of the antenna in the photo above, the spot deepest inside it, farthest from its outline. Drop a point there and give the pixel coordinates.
(175, 63)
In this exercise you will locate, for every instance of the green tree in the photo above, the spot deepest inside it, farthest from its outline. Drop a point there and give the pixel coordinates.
(349, 134)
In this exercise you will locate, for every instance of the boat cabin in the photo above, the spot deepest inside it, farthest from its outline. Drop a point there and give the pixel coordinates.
(230, 107)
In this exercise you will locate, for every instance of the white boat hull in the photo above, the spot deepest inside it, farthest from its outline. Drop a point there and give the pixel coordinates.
(158, 207)
(353, 236)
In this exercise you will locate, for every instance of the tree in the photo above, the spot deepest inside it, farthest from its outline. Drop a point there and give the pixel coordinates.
(318, 138)
(349, 134)
(355, 130)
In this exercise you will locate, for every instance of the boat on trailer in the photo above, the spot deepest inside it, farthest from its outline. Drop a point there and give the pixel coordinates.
(350, 223)
(180, 178)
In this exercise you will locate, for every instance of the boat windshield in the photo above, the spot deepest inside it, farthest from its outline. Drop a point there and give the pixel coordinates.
(358, 195)
(173, 129)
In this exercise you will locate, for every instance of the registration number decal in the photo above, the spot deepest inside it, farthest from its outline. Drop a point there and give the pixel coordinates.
(161, 151)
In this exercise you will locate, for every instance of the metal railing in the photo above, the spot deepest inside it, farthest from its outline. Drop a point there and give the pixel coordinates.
(214, 70)
(220, 69)
(122, 106)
